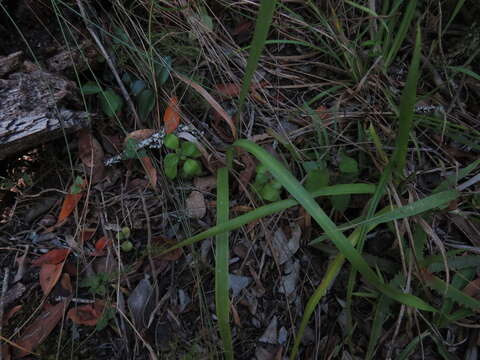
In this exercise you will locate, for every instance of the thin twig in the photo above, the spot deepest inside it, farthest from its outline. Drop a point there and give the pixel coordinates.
(110, 63)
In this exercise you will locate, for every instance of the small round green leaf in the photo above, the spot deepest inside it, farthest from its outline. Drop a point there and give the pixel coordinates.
(348, 165)
(316, 179)
(190, 149)
(127, 246)
(191, 168)
(270, 193)
(170, 165)
(171, 142)
(111, 102)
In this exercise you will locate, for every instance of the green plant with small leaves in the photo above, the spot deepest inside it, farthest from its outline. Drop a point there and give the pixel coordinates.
(349, 172)
(183, 158)
(97, 284)
(123, 236)
(265, 185)
(110, 101)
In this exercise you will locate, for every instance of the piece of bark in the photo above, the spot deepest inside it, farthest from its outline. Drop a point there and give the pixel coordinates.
(34, 110)
(9, 63)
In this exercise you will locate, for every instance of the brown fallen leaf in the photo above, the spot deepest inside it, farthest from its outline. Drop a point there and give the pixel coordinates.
(161, 243)
(54, 256)
(87, 314)
(41, 327)
(138, 135)
(171, 118)
(86, 234)
(101, 245)
(69, 204)
(49, 276)
(150, 170)
(91, 153)
(195, 204)
(473, 289)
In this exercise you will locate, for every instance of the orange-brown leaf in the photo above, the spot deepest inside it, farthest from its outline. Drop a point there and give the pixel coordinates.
(39, 330)
(69, 204)
(49, 276)
(473, 288)
(53, 257)
(150, 170)
(139, 135)
(171, 118)
(86, 314)
(91, 153)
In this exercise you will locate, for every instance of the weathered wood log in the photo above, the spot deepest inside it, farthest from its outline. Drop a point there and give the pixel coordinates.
(36, 107)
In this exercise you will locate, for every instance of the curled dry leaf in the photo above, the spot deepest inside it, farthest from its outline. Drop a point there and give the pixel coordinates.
(69, 204)
(87, 314)
(53, 257)
(101, 245)
(91, 153)
(49, 276)
(39, 330)
(171, 118)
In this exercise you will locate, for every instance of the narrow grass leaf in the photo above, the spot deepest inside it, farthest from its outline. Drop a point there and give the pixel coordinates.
(264, 19)
(270, 209)
(291, 184)
(222, 301)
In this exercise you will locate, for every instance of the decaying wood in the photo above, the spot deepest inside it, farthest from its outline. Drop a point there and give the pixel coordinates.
(36, 107)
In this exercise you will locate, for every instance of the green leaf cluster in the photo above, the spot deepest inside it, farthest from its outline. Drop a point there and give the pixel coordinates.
(265, 185)
(183, 158)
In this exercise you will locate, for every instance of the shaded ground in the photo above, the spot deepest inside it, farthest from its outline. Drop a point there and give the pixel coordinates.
(319, 99)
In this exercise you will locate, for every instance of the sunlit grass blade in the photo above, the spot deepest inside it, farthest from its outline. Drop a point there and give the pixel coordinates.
(264, 19)
(222, 301)
(270, 209)
(291, 184)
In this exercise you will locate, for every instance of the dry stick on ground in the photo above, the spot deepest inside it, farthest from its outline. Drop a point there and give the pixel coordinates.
(4, 291)
(107, 57)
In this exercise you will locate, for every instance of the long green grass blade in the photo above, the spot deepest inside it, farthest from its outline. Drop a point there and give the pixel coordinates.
(264, 19)
(384, 215)
(222, 301)
(401, 33)
(270, 209)
(345, 247)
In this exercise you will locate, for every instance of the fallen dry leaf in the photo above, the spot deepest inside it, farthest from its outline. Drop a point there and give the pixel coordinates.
(87, 314)
(41, 327)
(101, 245)
(228, 90)
(139, 135)
(473, 288)
(195, 204)
(49, 276)
(69, 204)
(150, 170)
(91, 153)
(161, 243)
(53, 257)
(171, 118)
(86, 234)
